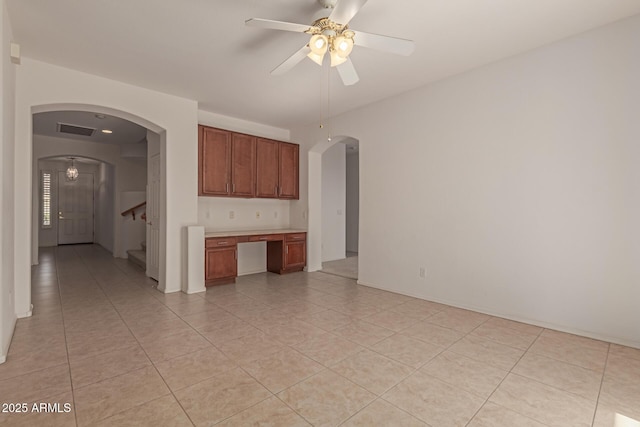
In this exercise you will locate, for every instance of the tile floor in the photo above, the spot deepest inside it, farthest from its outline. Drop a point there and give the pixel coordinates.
(294, 350)
(347, 267)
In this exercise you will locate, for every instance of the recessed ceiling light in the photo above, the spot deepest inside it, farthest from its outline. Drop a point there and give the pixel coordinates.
(100, 116)
(107, 131)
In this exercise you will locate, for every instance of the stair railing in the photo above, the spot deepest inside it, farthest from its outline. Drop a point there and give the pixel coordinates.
(132, 210)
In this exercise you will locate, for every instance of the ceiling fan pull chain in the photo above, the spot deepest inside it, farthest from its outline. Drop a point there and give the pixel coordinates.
(321, 72)
(328, 104)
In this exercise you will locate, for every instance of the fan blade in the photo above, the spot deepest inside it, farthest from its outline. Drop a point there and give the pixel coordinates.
(276, 25)
(345, 10)
(384, 43)
(292, 61)
(348, 73)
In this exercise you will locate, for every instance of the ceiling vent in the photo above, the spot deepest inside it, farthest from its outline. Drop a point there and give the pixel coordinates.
(75, 130)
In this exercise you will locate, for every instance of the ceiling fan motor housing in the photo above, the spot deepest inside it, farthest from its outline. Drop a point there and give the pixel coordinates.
(328, 4)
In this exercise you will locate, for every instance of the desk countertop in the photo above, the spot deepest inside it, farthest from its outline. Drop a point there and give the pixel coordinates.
(232, 233)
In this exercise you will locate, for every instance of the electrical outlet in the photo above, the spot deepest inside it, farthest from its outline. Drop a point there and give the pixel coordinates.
(275, 214)
(257, 214)
(423, 272)
(232, 214)
(207, 214)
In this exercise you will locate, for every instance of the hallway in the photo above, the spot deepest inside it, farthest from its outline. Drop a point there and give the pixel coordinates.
(299, 349)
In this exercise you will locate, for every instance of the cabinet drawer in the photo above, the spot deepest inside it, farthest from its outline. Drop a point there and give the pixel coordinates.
(266, 238)
(217, 242)
(295, 237)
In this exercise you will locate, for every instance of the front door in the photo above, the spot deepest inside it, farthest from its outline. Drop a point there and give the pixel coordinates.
(75, 209)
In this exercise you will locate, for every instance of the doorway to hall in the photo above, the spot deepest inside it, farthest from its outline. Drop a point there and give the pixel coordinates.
(105, 201)
(340, 208)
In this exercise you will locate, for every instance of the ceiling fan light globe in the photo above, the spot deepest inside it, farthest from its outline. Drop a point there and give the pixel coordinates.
(318, 44)
(336, 59)
(315, 57)
(343, 46)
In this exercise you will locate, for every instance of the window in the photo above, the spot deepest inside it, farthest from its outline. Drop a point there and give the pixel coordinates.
(46, 200)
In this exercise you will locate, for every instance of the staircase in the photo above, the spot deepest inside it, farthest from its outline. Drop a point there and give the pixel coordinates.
(139, 256)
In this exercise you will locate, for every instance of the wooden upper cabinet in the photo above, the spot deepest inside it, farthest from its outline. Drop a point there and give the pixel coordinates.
(214, 147)
(242, 165)
(289, 174)
(267, 167)
(237, 165)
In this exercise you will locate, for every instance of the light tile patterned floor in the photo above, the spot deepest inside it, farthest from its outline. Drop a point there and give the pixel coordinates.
(294, 350)
(347, 267)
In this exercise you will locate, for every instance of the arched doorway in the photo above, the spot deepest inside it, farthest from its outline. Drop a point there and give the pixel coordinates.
(90, 198)
(316, 229)
(160, 143)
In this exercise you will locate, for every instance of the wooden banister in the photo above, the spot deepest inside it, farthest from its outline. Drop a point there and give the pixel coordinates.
(132, 210)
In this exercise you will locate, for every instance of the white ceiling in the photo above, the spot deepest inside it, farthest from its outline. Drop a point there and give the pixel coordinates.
(123, 131)
(77, 160)
(201, 49)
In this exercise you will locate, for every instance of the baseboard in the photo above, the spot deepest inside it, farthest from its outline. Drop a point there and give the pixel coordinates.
(5, 351)
(25, 314)
(542, 324)
(195, 291)
(247, 273)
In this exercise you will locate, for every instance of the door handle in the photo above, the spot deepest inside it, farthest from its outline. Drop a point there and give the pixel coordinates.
(60, 216)
(150, 223)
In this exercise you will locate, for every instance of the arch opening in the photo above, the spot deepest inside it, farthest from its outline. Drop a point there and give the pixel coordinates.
(327, 222)
(110, 166)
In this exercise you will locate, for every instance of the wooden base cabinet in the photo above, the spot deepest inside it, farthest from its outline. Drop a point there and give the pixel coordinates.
(286, 253)
(221, 261)
(289, 255)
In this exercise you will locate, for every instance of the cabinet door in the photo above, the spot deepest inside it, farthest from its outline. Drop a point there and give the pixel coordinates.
(289, 180)
(242, 165)
(267, 161)
(220, 263)
(215, 161)
(295, 255)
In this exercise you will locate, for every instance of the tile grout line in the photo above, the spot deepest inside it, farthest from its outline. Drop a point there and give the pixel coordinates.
(142, 348)
(595, 411)
(64, 329)
(500, 383)
(325, 368)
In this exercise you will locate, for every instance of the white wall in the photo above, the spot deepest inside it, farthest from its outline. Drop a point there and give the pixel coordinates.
(44, 87)
(214, 212)
(353, 201)
(105, 206)
(515, 185)
(7, 194)
(334, 202)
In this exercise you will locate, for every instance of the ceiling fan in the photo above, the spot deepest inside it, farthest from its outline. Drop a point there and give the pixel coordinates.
(332, 34)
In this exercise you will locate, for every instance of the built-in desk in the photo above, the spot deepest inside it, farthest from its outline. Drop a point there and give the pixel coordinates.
(286, 252)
